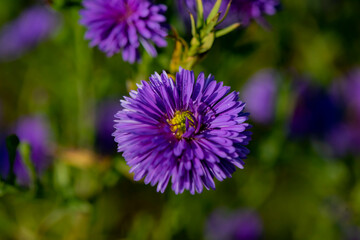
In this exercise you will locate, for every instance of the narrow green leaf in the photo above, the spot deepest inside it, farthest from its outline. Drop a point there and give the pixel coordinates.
(226, 30)
(25, 151)
(214, 11)
(208, 28)
(226, 13)
(200, 13)
(193, 27)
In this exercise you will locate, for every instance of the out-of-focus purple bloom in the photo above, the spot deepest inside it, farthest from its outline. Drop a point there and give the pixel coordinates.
(242, 11)
(188, 130)
(104, 141)
(121, 25)
(316, 112)
(4, 158)
(246, 10)
(237, 225)
(33, 26)
(20, 170)
(346, 137)
(35, 132)
(350, 91)
(260, 96)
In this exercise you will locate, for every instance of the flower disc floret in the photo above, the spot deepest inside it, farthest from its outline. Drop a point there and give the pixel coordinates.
(179, 123)
(190, 131)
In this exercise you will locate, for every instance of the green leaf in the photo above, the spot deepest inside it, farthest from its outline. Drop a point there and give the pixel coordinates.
(200, 13)
(25, 151)
(207, 43)
(226, 13)
(209, 27)
(227, 30)
(214, 11)
(193, 27)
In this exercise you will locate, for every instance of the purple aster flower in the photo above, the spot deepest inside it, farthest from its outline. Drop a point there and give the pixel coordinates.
(34, 131)
(260, 96)
(238, 225)
(121, 25)
(33, 26)
(188, 130)
(346, 137)
(316, 112)
(240, 10)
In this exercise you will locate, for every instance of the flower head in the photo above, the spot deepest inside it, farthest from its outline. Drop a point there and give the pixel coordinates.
(34, 25)
(188, 130)
(121, 25)
(260, 95)
(242, 224)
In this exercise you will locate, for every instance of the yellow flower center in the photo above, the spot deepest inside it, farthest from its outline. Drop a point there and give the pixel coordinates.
(178, 122)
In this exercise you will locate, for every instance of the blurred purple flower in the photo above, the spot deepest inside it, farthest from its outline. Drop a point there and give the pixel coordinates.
(188, 130)
(4, 159)
(246, 10)
(20, 171)
(316, 112)
(33, 26)
(237, 225)
(242, 11)
(346, 137)
(260, 96)
(104, 142)
(121, 25)
(351, 91)
(34, 131)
